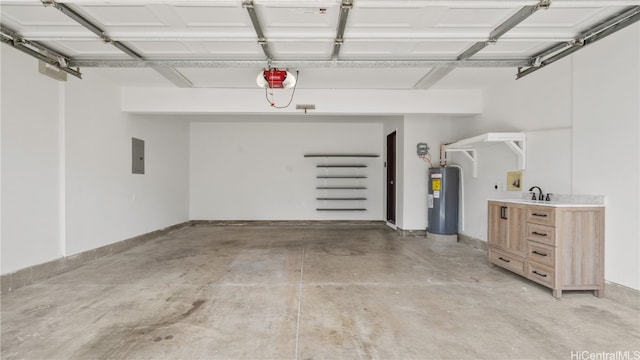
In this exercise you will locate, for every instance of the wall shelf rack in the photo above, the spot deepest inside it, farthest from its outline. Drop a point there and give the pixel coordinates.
(341, 187)
(341, 177)
(516, 141)
(342, 166)
(343, 155)
(341, 198)
(341, 209)
(341, 181)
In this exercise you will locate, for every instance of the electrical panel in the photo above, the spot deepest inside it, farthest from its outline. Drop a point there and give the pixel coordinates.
(137, 156)
(423, 149)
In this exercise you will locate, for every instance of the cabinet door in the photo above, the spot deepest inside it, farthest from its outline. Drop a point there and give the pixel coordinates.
(516, 241)
(497, 234)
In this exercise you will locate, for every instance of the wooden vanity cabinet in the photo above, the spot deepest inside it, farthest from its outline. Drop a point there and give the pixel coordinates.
(507, 243)
(563, 245)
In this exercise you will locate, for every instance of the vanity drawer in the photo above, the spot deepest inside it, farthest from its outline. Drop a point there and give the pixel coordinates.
(541, 274)
(541, 253)
(503, 259)
(544, 215)
(542, 234)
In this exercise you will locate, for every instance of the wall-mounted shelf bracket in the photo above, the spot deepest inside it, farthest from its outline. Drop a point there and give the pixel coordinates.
(517, 142)
(472, 154)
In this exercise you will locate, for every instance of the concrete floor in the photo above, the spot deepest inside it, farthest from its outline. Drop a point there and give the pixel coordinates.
(305, 292)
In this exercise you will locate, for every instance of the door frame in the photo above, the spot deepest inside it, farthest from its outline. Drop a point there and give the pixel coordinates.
(391, 182)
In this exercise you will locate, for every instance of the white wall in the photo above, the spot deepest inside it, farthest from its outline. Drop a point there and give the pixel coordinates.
(67, 185)
(606, 146)
(434, 131)
(106, 203)
(374, 102)
(581, 117)
(257, 171)
(30, 163)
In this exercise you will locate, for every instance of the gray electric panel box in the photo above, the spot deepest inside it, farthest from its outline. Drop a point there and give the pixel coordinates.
(137, 156)
(422, 149)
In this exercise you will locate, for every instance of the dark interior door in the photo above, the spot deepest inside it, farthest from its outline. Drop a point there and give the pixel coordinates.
(391, 177)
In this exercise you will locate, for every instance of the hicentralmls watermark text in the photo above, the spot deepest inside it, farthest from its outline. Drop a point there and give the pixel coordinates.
(605, 355)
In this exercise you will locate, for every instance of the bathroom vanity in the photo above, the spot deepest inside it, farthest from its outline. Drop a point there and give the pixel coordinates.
(558, 245)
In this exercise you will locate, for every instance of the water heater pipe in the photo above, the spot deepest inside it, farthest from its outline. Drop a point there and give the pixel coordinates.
(443, 156)
(461, 217)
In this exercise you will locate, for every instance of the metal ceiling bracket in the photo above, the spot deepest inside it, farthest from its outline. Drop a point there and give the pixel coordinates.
(38, 51)
(175, 76)
(262, 40)
(89, 25)
(432, 77)
(345, 7)
(503, 28)
(616, 23)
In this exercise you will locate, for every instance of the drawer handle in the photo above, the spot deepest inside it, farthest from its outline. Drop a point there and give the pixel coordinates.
(539, 234)
(505, 260)
(538, 253)
(539, 274)
(540, 215)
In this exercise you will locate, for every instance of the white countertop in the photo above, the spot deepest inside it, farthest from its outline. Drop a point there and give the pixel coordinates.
(547, 203)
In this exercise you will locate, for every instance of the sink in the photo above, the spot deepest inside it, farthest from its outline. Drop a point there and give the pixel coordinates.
(545, 203)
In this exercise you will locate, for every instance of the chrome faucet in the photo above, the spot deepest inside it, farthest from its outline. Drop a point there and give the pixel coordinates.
(540, 194)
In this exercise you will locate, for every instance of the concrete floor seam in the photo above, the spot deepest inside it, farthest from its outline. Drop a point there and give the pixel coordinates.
(300, 284)
(325, 292)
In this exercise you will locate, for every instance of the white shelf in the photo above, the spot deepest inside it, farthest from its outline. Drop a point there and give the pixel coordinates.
(516, 141)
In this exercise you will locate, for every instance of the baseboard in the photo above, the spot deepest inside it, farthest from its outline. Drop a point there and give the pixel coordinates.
(473, 242)
(622, 295)
(283, 222)
(36, 273)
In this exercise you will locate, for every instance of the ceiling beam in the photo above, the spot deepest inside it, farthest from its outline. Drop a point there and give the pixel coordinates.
(262, 40)
(614, 24)
(509, 24)
(345, 7)
(301, 64)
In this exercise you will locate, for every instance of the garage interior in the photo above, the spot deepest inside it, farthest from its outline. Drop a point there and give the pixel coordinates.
(164, 197)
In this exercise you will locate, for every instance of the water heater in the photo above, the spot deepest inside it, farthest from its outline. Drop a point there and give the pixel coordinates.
(442, 200)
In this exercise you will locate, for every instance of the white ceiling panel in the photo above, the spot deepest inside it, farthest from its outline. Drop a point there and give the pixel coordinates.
(396, 18)
(247, 50)
(301, 50)
(223, 16)
(387, 49)
(167, 49)
(34, 15)
(439, 49)
(303, 20)
(117, 16)
(383, 32)
(487, 18)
